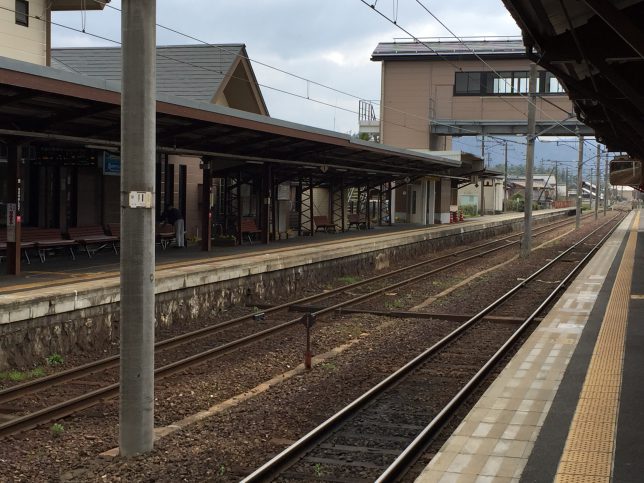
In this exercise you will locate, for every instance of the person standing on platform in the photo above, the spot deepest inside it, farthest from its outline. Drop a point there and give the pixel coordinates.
(173, 216)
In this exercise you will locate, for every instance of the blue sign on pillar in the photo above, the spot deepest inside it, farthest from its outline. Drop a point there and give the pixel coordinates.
(111, 164)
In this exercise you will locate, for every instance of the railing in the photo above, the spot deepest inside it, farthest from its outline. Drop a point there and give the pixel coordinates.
(366, 112)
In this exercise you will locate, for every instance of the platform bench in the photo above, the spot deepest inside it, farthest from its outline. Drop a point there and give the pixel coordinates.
(322, 223)
(165, 234)
(248, 228)
(23, 245)
(357, 220)
(48, 239)
(87, 236)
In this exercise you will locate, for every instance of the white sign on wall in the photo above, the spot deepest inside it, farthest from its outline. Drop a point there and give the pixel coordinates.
(11, 222)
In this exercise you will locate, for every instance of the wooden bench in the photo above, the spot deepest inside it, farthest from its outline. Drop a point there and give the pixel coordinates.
(87, 236)
(248, 228)
(322, 223)
(23, 245)
(164, 234)
(48, 239)
(114, 229)
(360, 222)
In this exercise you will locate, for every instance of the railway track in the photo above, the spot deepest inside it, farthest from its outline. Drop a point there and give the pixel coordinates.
(272, 322)
(380, 435)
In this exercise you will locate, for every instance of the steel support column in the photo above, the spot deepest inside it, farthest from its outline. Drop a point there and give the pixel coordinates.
(206, 215)
(14, 191)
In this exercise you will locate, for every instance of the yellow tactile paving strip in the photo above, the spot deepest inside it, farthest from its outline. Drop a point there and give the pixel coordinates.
(589, 451)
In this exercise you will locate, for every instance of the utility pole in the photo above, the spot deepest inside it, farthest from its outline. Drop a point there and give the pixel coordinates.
(481, 180)
(606, 176)
(556, 180)
(597, 186)
(138, 147)
(566, 180)
(505, 180)
(580, 163)
(590, 189)
(526, 243)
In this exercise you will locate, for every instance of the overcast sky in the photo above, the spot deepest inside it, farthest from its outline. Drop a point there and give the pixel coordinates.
(327, 41)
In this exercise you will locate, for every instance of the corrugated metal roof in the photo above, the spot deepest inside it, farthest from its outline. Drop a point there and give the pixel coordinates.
(188, 71)
(437, 48)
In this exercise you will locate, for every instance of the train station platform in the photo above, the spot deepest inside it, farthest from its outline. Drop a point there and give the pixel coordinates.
(568, 406)
(61, 298)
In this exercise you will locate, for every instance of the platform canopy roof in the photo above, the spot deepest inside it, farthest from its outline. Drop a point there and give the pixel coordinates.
(206, 73)
(596, 49)
(44, 105)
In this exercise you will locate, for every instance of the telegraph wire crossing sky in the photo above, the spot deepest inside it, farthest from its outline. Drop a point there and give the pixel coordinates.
(328, 42)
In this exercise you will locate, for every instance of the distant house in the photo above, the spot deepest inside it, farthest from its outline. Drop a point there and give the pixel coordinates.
(544, 187)
(217, 74)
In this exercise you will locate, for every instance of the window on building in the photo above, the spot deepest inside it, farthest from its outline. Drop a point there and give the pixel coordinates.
(22, 12)
(553, 85)
(468, 83)
(503, 83)
(521, 83)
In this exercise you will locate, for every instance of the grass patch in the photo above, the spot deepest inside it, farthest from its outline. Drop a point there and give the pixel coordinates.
(348, 280)
(395, 304)
(328, 366)
(55, 360)
(20, 376)
(57, 430)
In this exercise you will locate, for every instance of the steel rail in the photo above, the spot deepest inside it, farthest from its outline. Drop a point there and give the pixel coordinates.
(87, 400)
(17, 391)
(362, 298)
(409, 456)
(293, 453)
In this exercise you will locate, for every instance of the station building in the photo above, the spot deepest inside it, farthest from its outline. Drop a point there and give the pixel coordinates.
(434, 89)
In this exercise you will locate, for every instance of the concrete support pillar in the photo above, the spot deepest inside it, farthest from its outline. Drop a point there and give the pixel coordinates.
(14, 208)
(206, 215)
(423, 202)
(138, 136)
(526, 242)
(445, 200)
(431, 201)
